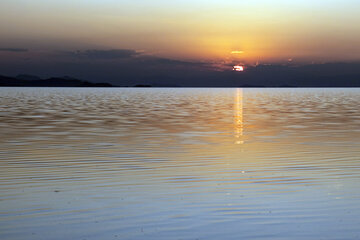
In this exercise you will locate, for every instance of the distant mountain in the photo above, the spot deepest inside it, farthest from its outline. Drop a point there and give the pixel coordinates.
(33, 81)
(27, 77)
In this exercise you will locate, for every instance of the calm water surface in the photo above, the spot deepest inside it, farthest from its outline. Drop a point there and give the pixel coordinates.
(179, 164)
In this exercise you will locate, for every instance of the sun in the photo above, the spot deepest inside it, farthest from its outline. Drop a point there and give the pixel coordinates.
(238, 68)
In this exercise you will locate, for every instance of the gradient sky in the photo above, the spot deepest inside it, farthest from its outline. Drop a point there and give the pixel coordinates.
(304, 30)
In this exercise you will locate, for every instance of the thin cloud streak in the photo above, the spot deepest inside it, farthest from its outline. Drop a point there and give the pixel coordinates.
(106, 54)
(14, 50)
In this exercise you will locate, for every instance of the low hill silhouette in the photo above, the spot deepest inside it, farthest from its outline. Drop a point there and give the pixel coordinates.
(33, 81)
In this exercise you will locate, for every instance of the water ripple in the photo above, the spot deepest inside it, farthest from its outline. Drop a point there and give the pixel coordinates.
(179, 163)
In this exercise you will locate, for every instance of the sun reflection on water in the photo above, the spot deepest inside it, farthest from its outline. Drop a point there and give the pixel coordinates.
(238, 117)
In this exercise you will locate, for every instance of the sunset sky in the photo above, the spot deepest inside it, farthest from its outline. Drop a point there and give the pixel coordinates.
(304, 31)
(191, 29)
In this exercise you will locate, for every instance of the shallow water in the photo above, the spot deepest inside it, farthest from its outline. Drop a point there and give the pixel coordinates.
(80, 163)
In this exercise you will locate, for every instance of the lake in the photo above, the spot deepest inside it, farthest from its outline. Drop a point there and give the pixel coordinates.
(175, 163)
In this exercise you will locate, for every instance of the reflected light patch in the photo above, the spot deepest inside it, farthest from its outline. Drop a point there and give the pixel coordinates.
(238, 68)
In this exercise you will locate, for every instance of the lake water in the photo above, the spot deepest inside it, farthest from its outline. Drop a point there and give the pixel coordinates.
(164, 164)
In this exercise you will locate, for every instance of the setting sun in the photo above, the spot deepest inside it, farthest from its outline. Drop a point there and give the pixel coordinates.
(238, 68)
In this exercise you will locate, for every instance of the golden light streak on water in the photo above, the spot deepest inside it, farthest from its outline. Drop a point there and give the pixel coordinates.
(238, 117)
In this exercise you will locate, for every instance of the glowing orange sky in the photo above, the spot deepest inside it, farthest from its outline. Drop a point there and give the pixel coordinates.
(323, 30)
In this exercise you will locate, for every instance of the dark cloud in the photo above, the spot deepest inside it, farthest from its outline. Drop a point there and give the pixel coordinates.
(168, 61)
(107, 54)
(13, 50)
(117, 66)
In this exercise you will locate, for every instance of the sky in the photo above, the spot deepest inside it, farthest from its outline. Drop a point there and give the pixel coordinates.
(246, 31)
